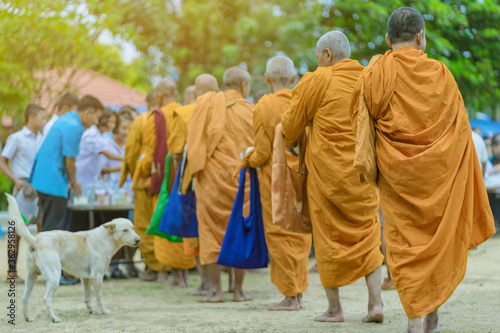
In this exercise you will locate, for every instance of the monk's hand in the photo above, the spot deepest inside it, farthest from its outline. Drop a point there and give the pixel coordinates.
(176, 160)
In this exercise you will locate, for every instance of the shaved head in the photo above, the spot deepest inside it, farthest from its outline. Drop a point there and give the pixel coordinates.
(167, 87)
(151, 100)
(205, 83)
(336, 42)
(189, 95)
(166, 92)
(234, 77)
(280, 70)
(404, 23)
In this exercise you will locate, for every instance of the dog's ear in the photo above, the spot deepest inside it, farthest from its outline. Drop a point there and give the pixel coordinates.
(111, 227)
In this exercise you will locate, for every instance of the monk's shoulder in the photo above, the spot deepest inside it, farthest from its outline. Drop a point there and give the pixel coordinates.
(306, 81)
(204, 101)
(439, 65)
(206, 97)
(243, 103)
(138, 121)
(184, 109)
(265, 101)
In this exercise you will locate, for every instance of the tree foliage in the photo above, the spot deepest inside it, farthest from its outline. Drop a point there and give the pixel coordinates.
(185, 38)
(46, 35)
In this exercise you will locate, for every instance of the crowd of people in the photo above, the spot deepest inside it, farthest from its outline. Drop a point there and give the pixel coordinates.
(401, 120)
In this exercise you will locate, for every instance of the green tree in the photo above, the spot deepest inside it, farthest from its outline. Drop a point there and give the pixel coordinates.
(185, 38)
(52, 35)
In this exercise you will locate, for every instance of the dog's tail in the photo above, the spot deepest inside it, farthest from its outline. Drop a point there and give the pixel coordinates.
(20, 227)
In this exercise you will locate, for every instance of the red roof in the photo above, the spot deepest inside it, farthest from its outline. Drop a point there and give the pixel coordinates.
(85, 82)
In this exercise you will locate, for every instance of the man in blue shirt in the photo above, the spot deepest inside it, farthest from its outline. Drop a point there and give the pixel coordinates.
(54, 165)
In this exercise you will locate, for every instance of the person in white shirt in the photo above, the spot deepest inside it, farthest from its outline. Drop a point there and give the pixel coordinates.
(68, 102)
(481, 151)
(94, 149)
(16, 161)
(91, 159)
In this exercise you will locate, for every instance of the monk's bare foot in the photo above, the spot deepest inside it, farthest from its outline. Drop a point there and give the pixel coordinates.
(314, 269)
(431, 323)
(177, 284)
(199, 292)
(148, 275)
(387, 284)
(162, 277)
(240, 296)
(375, 315)
(330, 317)
(288, 304)
(414, 325)
(213, 297)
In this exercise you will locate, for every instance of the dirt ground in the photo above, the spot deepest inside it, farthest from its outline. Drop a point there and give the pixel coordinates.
(147, 307)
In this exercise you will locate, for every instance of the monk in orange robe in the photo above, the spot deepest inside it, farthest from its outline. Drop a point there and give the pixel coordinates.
(289, 251)
(434, 200)
(345, 224)
(155, 150)
(176, 143)
(220, 130)
(143, 201)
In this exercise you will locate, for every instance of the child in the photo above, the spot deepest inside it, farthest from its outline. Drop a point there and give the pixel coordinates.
(94, 149)
(111, 173)
(17, 160)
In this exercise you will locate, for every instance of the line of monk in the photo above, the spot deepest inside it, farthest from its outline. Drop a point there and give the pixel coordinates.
(433, 197)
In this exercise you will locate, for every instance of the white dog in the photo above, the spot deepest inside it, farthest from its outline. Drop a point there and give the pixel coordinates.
(85, 254)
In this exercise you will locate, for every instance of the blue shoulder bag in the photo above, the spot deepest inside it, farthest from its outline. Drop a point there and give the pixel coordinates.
(179, 217)
(244, 245)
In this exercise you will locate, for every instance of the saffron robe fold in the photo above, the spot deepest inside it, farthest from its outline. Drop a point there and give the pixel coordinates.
(143, 201)
(176, 141)
(178, 128)
(433, 196)
(289, 251)
(168, 253)
(160, 152)
(344, 212)
(220, 130)
(133, 146)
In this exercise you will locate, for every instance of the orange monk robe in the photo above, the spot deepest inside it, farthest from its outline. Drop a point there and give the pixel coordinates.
(289, 251)
(143, 202)
(220, 130)
(133, 146)
(176, 142)
(168, 253)
(344, 212)
(434, 200)
(177, 130)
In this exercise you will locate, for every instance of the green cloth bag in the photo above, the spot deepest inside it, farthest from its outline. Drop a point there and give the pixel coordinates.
(160, 207)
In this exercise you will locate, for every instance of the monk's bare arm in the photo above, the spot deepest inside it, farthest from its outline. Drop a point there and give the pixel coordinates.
(148, 147)
(301, 110)
(132, 148)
